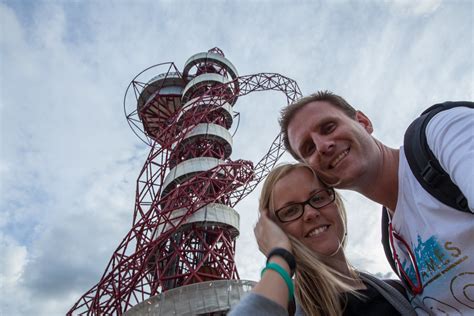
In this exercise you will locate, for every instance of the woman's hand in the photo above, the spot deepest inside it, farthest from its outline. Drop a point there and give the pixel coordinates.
(269, 235)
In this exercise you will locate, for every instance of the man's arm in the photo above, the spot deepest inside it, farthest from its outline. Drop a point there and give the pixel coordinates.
(450, 136)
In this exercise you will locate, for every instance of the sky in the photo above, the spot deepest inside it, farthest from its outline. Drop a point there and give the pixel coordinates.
(69, 161)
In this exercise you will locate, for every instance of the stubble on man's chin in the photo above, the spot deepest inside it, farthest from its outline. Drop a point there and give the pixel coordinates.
(332, 182)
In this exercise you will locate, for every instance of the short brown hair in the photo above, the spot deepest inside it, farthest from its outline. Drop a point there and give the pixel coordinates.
(287, 114)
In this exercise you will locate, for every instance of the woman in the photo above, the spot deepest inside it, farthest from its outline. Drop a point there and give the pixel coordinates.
(302, 229)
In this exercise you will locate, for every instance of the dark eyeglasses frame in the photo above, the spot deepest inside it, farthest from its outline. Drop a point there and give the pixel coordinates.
(415, 289)
(307, 202)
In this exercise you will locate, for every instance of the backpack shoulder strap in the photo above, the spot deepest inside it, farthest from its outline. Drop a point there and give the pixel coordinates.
(397, 284)
(385, 240)
(423, 163)
(386, 244)
(391, 294)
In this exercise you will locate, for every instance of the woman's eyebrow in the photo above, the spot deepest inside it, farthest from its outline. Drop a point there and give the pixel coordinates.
(312, 192)
(287, 204)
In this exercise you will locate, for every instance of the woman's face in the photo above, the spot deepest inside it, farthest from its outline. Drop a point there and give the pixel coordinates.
(320, 230)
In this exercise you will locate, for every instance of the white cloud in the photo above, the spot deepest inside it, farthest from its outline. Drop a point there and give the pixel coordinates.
(12, 267)
(419, 7)
(12, 262)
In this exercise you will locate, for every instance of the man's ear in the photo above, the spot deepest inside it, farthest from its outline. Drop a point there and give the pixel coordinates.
(364, 121)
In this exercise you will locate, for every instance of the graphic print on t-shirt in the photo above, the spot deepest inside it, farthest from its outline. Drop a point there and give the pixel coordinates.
(435, 260)
(432, 258)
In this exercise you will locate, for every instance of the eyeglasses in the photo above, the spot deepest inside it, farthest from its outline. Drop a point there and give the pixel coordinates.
(408, 271)
(294, 211)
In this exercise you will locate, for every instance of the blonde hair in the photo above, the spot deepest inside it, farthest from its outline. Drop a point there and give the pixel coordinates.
(318, 286)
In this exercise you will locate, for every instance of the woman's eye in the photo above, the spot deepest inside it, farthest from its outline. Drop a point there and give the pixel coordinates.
(316, 198)
(319, 198)
(290, 211)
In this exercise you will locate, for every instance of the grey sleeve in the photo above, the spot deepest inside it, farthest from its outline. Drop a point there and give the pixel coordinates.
(255, 304)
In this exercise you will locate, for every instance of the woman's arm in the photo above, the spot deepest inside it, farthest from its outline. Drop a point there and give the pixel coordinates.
(255, 304)
(270, 294)
(272, 285)
(270, 236)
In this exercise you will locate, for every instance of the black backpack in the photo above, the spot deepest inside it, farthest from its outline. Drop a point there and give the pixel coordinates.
(427, 169)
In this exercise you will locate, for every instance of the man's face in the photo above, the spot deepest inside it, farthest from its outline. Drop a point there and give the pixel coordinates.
(338, 147)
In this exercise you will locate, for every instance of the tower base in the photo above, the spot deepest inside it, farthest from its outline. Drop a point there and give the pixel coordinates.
(204, 298)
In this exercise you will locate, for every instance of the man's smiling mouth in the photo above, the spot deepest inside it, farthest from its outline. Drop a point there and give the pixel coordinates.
(338, 159)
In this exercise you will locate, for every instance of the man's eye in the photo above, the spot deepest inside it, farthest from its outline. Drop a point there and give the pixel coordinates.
(308, 149)
(328, 128)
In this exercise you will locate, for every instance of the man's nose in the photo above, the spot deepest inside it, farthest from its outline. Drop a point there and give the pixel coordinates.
(324, 144)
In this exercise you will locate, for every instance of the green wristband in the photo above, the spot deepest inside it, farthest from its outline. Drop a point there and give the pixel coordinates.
(285, 276)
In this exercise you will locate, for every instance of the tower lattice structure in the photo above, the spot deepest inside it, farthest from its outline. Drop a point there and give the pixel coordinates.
(178, 257)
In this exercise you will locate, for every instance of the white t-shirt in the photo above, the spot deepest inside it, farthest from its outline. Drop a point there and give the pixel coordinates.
(441, 238)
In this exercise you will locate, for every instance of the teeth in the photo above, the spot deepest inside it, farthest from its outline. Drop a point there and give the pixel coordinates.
(318, 231)
(338, 158)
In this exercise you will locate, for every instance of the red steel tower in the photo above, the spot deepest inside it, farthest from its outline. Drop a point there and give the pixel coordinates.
(178, 258)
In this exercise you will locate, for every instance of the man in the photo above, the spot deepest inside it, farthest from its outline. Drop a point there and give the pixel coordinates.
(434, 242)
